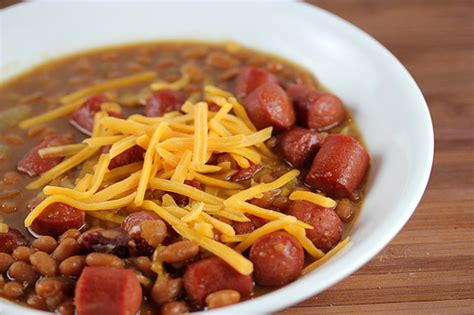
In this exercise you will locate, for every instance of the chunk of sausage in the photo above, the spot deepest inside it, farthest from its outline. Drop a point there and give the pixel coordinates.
(249, 79)
(134, 154)
(316, 110)
(249, 226)
(10, 240)
(298, 146)
(57, 218)
(269, 106)
(327, 231)
(339, 166)
(83, 117)
(33, 164)
(277, 258)
(246, 173)
(213, 274)
(106, 290)
(164, 101)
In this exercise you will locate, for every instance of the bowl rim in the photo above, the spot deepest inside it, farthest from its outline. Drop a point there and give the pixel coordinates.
(301, 285)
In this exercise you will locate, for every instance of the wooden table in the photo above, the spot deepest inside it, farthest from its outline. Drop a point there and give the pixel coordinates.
(428, 267)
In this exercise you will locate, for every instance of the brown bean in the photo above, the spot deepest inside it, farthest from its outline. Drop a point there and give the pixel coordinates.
(66, 308)
(193, 71)
(194, 52)
(266, 200)
(345, 209)
(22, 272)
(45, 243)
(104, 260)
(44, 264)
(222, 298)
(143, 264)
(153, 232)
(179, 251)
(71, 233)
(5, 262)
(174, 308)
(36, 301)
(266, 178)
(221, 60)
(67, 248)
(11, 178)
(282, 203)
(50, 287)
(8, 207)
(13, 139)
(72, 266)
(12, 290)
(22, 253)
(166, 289)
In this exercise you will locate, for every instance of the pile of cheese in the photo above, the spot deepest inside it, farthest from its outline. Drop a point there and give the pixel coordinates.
(178, 146)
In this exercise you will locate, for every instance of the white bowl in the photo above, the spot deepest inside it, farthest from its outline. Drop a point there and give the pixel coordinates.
(385, 100)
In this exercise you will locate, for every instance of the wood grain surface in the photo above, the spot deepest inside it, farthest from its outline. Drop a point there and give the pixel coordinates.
(429, 267)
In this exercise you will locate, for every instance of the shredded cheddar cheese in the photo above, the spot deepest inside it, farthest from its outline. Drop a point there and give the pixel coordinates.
(178, 147)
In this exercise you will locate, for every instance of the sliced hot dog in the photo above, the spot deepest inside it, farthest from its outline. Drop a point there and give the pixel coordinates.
(316, 110)
(298, 146)
(339, 166)
(10, 240)
(33, 164)
(269, 106)
(327, 231)
(249, 79)
(164, 101)
(277, 258)
(134, 154)
(213, 274)
(57, 218)
(105, 290)
(83, 117)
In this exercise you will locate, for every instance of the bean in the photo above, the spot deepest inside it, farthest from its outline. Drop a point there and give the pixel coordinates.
(12, 290)
(5, 262)
(104, 260)
(44, 264)
(179, 251)
(266, 200)
(36, 301)
(66, 248)
(66, 308)
(345, 209)
(22, 253)
(266, 178)
(13, 139)
(221, 60)
(174, 308)
(72, 266)
(8, 207)
(194, 52)
(193, 71)
(11, 178)
(50, 287)
(71, 233)
(166, 289)
(153, 232)
(282, 203)
(45, 243)
(222, 298)
(143, 264)
(22, 272)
